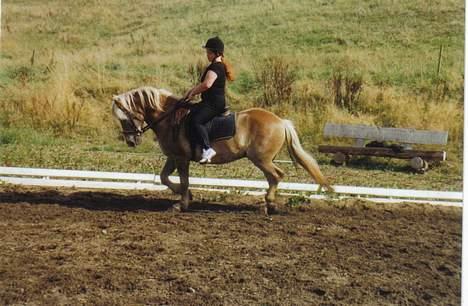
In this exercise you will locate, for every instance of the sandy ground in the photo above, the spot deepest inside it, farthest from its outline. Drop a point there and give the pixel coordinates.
(71, 247)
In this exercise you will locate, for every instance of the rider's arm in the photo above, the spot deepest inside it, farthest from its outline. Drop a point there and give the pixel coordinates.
(203, 86)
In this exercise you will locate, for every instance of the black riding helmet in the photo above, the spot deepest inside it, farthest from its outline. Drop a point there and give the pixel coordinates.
(215, 44)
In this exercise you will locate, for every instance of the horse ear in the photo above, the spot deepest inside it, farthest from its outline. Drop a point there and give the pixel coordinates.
(114, 97)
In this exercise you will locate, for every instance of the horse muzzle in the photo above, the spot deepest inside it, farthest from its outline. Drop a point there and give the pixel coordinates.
(133, 140)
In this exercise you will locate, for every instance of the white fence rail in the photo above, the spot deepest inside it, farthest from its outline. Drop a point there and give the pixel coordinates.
(137, 181)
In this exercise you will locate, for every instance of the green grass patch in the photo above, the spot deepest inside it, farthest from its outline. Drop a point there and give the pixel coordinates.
(29, 136)
(112, 155)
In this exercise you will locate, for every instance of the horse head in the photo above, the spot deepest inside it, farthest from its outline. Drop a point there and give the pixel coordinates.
(135, 107)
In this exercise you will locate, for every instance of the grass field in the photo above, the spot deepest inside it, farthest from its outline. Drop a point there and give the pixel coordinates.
(60, 64)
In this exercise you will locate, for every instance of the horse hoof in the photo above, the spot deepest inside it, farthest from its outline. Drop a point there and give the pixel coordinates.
(176, 208)
(272, 208)
(263, 210)
(180, 207)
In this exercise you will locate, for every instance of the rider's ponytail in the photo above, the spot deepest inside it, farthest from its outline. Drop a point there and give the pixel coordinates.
(228, 68)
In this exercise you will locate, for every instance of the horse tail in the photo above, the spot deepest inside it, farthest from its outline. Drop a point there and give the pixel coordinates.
(300, 156)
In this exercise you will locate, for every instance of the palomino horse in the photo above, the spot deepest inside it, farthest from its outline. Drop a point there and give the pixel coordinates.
(259, 136)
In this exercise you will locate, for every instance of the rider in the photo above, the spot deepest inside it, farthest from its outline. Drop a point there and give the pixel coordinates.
(212, 88)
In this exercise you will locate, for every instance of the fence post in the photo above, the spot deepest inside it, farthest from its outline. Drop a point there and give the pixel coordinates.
(440, 61)
(0, 24)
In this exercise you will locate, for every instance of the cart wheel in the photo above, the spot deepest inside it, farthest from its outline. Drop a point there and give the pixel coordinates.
(419, 164)
(340, 158)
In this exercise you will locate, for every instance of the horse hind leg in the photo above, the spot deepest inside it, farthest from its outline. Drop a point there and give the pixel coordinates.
(273, 175)
(279, 172)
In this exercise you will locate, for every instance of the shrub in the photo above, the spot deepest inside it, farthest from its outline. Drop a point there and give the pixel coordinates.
(346, 84)
(275, 77)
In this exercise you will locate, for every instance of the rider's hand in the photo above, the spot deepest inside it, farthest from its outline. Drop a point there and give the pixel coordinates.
(180, 114)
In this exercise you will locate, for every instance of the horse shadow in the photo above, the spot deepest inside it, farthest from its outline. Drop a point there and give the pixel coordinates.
(110, 201)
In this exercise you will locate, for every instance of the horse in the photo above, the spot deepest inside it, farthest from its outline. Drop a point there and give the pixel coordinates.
(259, 136)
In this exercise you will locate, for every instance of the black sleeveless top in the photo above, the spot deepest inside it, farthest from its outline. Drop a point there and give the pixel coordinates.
(215, 95)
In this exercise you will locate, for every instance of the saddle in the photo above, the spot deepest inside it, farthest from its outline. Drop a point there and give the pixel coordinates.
(219, 128)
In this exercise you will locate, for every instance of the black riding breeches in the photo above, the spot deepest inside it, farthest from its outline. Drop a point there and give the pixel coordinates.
(202, 113)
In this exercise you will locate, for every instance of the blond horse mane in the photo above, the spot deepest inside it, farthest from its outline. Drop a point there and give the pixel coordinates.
(135, 100)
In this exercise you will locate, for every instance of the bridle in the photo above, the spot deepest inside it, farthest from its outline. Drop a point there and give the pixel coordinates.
(139, 131)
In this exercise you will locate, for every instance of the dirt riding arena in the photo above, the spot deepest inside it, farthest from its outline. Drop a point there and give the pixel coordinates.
(74, 247)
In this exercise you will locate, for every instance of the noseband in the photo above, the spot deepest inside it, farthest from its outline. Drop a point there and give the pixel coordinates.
(139, 131)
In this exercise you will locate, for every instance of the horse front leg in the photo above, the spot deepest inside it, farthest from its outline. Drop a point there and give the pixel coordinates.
(167, 170)
(183, 169)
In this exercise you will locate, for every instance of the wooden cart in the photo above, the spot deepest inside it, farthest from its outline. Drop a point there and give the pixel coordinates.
(373, 141)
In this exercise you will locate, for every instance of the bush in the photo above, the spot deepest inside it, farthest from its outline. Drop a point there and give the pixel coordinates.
(346, 85)
(275, 77)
